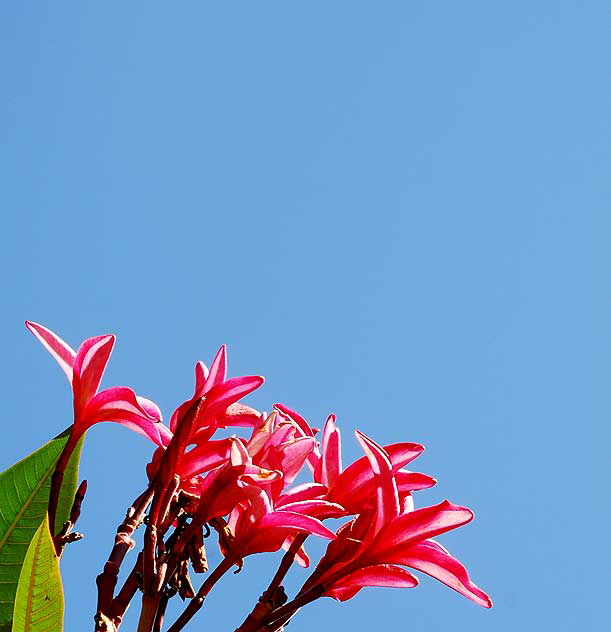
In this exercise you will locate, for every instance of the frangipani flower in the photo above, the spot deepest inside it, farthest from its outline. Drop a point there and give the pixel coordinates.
(368, 549)
(354, 487)
(279, 443)
(84, 370)
(258, 527)
(219, 409)
(232, 414)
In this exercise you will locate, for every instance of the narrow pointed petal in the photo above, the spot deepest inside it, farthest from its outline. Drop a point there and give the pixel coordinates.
(60, 350)
(91, 360)
(238, 415)
(320, 509)
(201, 375)
(293, 456)
(150, 407)
(431, 558)
(413, 481)
(238, 453)
(223, 395)
(298, 522)
(387, 506)
(203, 458)
(305, 491)
(350, 483)
(218, 370)
(387, 575)
(297, 418)
(343, 594)
(329, 466)
(121, 405)
(418, 525)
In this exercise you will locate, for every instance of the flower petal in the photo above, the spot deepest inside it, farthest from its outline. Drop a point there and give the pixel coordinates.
(415, 526)
(387, 575)
(61, 351)
(219, 398)
(387, 506)
(321, 509)
(305, 491)
(238, 415)
(203, 458)
(91, 360)
(353, 481)
(297, 418)
(121, 405)
(329, 466)
(297, 522)
(201, 375)
(431, 558)
(413, 481)
(218, 370)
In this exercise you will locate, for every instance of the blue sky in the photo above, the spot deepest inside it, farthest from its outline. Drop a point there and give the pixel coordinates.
(395, 211)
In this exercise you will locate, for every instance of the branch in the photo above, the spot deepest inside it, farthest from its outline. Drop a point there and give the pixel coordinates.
(197, 602)
(107, 579)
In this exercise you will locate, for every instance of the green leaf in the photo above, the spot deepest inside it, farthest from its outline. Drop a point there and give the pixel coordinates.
(39, 604)
(24, 494)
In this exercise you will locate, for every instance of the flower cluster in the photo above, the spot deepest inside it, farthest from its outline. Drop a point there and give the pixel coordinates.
(244, 487)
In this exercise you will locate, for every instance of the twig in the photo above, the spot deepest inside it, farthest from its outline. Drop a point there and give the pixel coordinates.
(107, 579)
(274, 596)
(292, 606)
(197, 602)
(66, 535)
(121, 602)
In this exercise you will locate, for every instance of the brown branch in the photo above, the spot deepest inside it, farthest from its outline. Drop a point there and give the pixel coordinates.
(292, 606)
(196, 603)
(274, 595)
(66, 535)
(131, 585)
(107, 579)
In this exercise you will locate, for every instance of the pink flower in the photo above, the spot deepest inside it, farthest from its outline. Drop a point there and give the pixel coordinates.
(369, 548)
(279, 443)
(354, 487)
(209, 383)
(258, 527)
(84, 370)
(219, 409)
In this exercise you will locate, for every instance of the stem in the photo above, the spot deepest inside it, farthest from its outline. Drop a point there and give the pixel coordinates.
(160, 613)
(57, 478)
(197, 602)
(107, 579)
(150, 605)
(121, 602)
(66, 534)
(292, 606)
(285, 565)
(269, 599)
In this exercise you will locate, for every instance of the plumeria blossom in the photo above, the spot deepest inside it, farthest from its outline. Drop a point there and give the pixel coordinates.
(258, 527)
(84, 369)
(279, 443)
(354, 487)
(371, 549)
(197, 453)
(247, 488)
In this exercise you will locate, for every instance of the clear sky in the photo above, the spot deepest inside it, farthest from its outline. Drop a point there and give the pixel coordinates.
(396, 211)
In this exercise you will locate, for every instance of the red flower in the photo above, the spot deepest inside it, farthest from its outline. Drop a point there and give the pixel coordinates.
(258, 527)
(368, 549)
(354, 487)
(84, 369)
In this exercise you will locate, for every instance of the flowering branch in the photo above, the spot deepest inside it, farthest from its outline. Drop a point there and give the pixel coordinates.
(243, 486)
